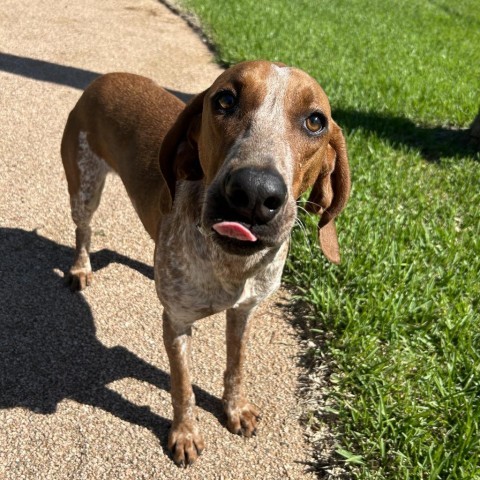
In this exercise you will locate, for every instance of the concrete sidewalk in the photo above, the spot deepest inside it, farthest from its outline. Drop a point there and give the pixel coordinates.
(84, 377)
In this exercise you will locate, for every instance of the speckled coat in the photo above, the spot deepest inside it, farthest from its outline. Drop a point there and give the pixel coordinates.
(173, 160)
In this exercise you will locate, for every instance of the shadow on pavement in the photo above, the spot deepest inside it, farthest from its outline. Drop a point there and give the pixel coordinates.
(48, 348)
(46, 71)
(60, 74)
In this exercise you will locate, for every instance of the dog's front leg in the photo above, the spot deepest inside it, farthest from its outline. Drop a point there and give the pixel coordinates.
(184, 439)
(242, 416)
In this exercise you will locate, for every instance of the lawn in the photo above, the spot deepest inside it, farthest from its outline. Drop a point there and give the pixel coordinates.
(400, 316)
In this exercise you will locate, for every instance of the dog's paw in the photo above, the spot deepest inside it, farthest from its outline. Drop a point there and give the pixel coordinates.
(242, 418)
(78, 278)
(186, 443)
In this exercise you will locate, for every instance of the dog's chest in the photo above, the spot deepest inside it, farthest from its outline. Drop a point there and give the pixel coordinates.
(191, 290)
(192, 286)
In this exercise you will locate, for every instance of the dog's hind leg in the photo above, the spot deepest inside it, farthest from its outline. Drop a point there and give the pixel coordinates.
(86, 173)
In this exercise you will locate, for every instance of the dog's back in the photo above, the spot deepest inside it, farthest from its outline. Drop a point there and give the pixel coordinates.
(118, 123)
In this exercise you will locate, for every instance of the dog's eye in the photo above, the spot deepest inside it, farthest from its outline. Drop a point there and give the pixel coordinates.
(225, 101)
(316, 122)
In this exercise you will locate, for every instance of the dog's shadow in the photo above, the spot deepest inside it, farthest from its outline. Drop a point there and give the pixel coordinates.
(48, 347)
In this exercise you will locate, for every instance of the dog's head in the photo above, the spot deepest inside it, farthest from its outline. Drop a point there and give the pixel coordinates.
(260, 137)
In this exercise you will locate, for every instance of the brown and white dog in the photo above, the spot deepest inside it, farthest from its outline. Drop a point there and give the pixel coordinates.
(215, 184)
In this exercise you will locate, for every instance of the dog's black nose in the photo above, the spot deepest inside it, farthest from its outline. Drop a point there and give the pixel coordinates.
(256, 195)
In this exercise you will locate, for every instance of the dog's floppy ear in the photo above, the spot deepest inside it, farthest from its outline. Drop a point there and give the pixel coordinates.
(330, 194)
(179, 157)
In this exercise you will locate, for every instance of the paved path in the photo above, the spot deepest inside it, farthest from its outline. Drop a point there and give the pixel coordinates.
(84, 377)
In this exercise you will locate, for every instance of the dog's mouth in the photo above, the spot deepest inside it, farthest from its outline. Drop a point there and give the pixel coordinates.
(234, 230)
(236, 237)
(236, 233)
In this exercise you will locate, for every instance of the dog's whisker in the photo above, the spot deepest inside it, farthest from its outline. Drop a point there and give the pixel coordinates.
(317, 205)
(303, 209)
(305, 234)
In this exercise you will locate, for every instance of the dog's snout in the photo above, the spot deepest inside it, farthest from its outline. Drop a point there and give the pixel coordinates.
(256, 195)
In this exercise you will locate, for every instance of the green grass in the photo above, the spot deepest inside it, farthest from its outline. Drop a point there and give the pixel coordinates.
(404, 307)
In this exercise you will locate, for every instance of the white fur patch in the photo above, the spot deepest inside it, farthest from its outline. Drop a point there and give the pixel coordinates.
(91, 166)
(270, 120)
(183, 345)
(92, 171)
(272, 108)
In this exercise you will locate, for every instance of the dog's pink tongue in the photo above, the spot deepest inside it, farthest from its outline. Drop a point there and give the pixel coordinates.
(234, 230)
